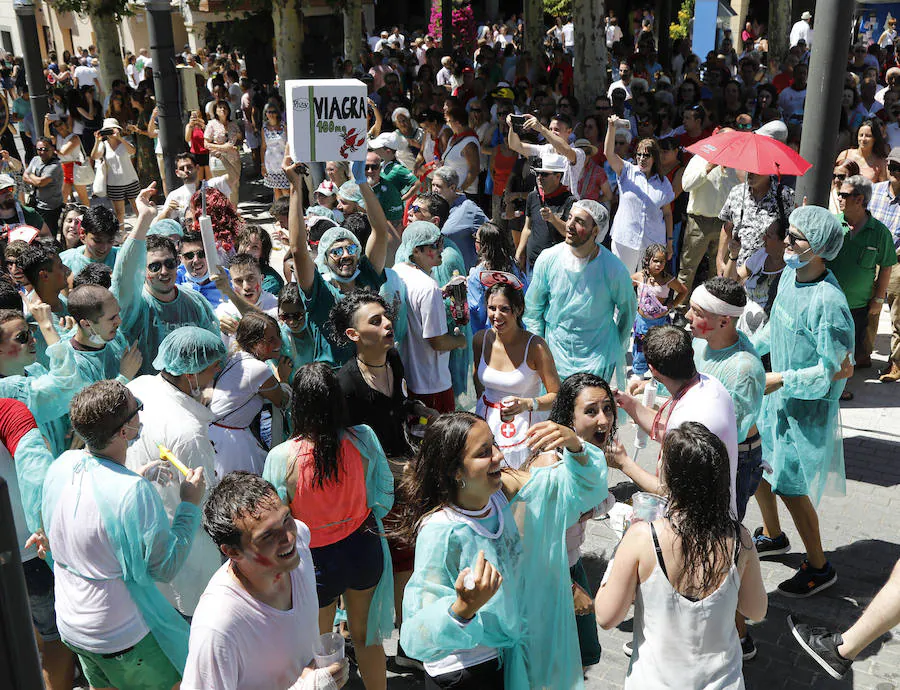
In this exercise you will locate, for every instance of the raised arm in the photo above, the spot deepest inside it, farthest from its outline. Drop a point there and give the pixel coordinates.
(304, 266)
(609, 146)
(376, 245)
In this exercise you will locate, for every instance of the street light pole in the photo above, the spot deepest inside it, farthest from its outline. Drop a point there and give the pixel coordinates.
(827, 69)
(34, 68)
(165, 84)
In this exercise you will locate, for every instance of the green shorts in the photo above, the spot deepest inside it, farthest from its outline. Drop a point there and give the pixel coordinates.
(143, 667)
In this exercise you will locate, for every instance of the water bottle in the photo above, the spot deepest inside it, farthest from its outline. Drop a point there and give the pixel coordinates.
(648, 400)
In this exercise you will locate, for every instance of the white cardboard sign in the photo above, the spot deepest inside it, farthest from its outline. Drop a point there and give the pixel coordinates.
(326, 119)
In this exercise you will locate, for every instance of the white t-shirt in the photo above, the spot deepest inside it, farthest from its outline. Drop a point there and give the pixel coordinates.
(709, 403)
(427, 370)
(87, 76)
(568, 34)
(94, 612)
(238, 641)
(572, 174)
(267, 302)
(184, 193)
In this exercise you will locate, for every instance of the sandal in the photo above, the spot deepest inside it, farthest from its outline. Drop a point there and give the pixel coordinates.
(846, 395)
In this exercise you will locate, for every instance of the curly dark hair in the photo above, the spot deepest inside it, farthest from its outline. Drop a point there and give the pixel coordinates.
(429, 482)
(695, 468)
(342, 313)
(563, 411)
(248, 233)
(319, 413)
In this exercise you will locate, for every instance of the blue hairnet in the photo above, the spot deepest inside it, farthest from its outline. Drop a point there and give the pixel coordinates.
(189, 350)
(417, 234)
(349, 191)
(321, 211)
(329, 237)
(166, 227)
(821, 228)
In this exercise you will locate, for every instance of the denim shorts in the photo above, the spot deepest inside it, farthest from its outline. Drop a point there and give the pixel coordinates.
(39, 582)
(355, 562)
(749, 474)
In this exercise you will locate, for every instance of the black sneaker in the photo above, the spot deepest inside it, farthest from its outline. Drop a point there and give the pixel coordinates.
(807, 581)
(628, 648)
(822, 645)
(767, 546)
(748, 648)
(404, 661)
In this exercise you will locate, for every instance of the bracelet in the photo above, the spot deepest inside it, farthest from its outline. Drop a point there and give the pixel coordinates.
(459, 619)
(534, 405)
(732, 258)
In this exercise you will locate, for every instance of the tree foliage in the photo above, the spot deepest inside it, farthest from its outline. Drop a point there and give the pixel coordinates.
(682, 27)
(557, 8)
(108, 9)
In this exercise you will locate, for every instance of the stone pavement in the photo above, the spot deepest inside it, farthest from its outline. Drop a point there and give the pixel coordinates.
(860, 532)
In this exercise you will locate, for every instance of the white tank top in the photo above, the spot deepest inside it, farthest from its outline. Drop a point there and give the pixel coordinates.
(679, 643)
(453, 157)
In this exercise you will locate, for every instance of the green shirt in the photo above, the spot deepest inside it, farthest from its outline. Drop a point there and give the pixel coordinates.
(398, 175)
(854, 266)
(390, 200)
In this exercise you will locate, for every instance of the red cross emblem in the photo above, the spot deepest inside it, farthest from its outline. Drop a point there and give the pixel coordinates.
(507, 430)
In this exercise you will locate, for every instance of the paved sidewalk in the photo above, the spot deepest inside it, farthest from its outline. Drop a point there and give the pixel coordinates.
(860, 532)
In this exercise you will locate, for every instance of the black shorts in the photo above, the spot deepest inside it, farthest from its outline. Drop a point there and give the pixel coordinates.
(355, 562)
(202, 159)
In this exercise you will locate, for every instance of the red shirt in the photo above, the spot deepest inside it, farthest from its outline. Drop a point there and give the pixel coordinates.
(782, 80)
(15, 421)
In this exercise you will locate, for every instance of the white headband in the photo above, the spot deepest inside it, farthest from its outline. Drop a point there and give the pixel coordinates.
(707, 301)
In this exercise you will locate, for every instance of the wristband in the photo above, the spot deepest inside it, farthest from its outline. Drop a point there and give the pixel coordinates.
(878, 300)
(534, 405)
(456, 617)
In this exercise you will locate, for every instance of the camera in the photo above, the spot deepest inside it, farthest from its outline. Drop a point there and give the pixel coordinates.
(518, 123)
(106, 132)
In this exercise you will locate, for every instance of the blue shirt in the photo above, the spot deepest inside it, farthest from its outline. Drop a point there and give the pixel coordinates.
(464, 219)
(209, 290)
(885, 206)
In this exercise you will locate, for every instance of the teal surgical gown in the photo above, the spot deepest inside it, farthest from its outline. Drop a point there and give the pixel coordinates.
(147, 546)
(809, 333)
(741, 371)
(147, 320)
(584, 311)
(379, 498)
(530, 621)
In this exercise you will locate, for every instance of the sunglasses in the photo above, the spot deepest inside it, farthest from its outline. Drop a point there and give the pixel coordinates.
(12, 262)
(291, 315)
(373, 167)
(338, 252)
(139, 408)
(156, 266)
(846, 195)
(643, 156)
(841, 178)
(744, 127)
(894, 169)
(793, 238)
(22, 337)
(42, 150)
(436, 246)
(201, 254)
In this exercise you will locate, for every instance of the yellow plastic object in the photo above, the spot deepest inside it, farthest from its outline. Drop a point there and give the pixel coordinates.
(166, 454)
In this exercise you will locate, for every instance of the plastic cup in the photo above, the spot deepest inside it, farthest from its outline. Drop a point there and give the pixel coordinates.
(504, 404)
(328, 649)
(648, 507)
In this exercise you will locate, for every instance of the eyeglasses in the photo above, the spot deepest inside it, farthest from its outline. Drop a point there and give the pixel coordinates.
(43, 150)
(291, 315)
(22, 337)
(643, 156)
(744, 127)
(436, 246)
(376, 166)
(846, 195)
(841, 178)
(201, 254)
(338, 252)
(793, 238)
(156, 266)
(415, 208)
(139, 408)
(185, 168)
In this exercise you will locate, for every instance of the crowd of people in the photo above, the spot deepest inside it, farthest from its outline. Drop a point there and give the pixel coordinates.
(398, 408)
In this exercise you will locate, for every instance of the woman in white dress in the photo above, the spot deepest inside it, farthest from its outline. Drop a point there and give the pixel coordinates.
(241, 390)
(510, 366)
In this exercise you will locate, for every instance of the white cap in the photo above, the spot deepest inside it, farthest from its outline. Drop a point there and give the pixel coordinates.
(806, 15)
(775, 129)
(385, 140)
(6, 181)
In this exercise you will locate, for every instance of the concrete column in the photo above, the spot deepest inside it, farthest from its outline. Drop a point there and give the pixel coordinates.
(165, 84)
(34, 67)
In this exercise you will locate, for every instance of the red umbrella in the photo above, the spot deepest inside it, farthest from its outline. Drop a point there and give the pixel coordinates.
(751, 152)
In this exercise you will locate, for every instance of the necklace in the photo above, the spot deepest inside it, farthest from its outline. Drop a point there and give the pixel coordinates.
(371, 366)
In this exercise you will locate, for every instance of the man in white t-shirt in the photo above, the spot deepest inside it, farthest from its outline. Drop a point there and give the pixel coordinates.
(186, 170)
(244, 293)
(568, 37)
(695, 398)
(257, 620)
(558, 137)
(88, 76)
(426, 353)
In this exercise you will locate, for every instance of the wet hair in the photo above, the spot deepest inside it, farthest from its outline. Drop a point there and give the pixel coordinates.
(99, 411)
(290, 294)
(248, 233)
(86, 302)
(357, 223)
(563, 411)
(497, 251)
(100, 221)
(437, 206)
(251, 329)
(516, 299)
(34, 259)
(429, 482)
(344, 312)
(727, 290)
(244, 259)
(10, 297)
(95, 273)
(695, 469)
(186, 155)
(191, 237)
(669, 350)
(280, 207)
(157, 243)
(319, 414)
(649, 253)
(238, 496)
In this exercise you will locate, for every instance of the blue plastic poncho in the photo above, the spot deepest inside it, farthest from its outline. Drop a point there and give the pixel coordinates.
(452, 264)
(148, 548)
(47, 393)
(584, 311)
(809, 333)
(39, 341)
(189, 350)
(75, 259)
(146, 319)
(96, 365)
(741, 371)
(25, 480)
(531, 619)
(379, 498)
(821, 228)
